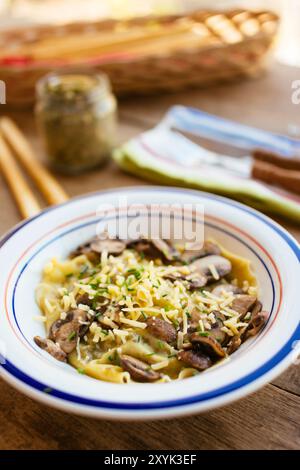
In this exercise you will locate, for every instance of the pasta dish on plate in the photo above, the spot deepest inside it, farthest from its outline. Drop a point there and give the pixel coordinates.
(147, 310)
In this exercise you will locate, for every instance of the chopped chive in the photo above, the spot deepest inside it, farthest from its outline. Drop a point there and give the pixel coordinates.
(69, 275)
(71, 335)
(144, 314)
(47, 390)
(203, 333)
(101, 290)
(80, 370)
(117, 358)
(150, 354)
(83, 270)
(94, 285)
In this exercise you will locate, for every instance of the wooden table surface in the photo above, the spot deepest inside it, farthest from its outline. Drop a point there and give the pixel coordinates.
(268, 419)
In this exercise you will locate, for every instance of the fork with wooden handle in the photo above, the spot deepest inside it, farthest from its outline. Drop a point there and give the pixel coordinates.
(13, 144)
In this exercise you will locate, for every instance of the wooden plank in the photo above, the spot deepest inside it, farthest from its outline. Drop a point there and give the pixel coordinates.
(289, 380)
(268, 419)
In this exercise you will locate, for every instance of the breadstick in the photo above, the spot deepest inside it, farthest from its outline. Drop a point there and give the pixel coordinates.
(46, 183)
(25, 199)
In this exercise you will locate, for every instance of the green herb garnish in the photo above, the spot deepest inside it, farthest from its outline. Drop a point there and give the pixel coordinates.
(83, 271)
(71, 335)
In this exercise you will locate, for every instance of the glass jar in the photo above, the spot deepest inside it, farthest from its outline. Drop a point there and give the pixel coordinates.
(76, 114)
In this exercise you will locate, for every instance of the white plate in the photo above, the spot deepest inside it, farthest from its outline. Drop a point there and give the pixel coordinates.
(55, 232)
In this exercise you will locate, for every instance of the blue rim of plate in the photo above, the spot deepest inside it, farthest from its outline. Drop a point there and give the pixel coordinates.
(213, 394)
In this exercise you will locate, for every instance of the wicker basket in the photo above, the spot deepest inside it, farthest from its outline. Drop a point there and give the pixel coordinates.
(220, 59)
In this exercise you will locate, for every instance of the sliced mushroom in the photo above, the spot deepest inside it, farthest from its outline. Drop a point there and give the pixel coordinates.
(194, 359)
(84, 299)
(51, 348)
(209, 265)
(243, 303)
(110, 316)
(207, 344)
(66, 332)
(155, 248)
(194, 321)
(110, 245)
(216, 331)
(205, 270)
(234, 344)
(199, 250)
(218, 290)
(98, 304)
(196, 281)
(97, 245)
(138, 370)
(161, 329)
(255, 325)
(256, 308)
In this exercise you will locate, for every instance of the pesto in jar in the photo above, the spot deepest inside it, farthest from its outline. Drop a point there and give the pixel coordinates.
(76, 115)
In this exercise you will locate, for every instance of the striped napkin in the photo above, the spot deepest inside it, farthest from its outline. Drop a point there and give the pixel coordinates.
(168, 154)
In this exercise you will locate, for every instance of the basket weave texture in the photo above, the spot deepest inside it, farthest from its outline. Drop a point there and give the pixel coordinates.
(219, 59)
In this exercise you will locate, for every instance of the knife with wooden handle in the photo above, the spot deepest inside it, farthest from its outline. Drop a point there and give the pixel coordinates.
(272, 174)
(289, 163)
(262, 165)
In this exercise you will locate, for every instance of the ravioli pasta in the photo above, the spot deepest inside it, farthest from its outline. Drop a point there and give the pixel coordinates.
(147, 310)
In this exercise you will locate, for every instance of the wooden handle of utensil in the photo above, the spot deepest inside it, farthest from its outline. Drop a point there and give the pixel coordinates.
(22, 193)
(46, 183)
(289, 163)
(272, 174)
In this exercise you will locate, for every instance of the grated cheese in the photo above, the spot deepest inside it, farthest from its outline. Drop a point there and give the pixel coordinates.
(136, 324)
(214, 272)
(160, 365)
(180, 340)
